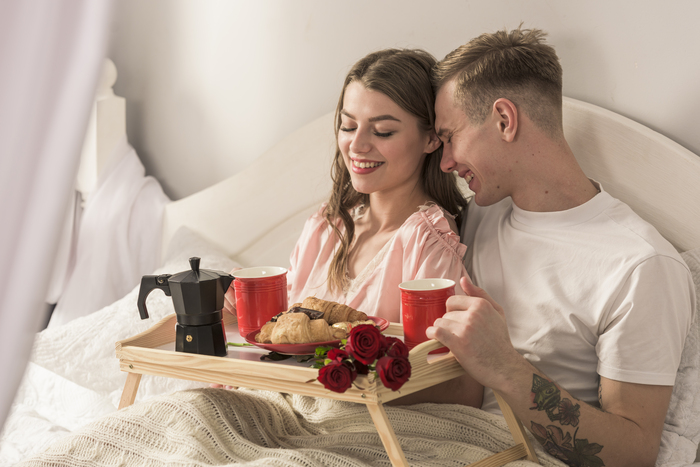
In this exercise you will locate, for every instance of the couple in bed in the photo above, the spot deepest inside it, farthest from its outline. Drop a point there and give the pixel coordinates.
(581, 307)
(569, 306)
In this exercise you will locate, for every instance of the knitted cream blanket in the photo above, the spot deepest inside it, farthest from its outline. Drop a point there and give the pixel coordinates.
(254, 428)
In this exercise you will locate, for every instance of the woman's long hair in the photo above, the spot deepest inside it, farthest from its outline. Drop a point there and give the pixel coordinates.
(403, 75)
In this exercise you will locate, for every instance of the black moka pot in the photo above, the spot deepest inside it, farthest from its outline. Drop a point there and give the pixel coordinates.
(198, 298)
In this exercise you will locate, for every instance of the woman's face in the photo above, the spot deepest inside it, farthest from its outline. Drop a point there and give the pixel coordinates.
(382, 144)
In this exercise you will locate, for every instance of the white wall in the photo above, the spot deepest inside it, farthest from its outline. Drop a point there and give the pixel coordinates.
(211, 85)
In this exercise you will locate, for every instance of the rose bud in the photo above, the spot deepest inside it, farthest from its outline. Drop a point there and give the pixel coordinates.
(337, 354)
(396, 347)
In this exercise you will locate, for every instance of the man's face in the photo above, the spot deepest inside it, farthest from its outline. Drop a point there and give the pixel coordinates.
(469, 149)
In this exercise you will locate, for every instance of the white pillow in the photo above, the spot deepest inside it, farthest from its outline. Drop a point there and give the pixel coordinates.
(679, 440)
(185, 244)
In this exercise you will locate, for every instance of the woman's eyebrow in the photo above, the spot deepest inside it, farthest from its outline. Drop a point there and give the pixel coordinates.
(384, 117)
(373, 119)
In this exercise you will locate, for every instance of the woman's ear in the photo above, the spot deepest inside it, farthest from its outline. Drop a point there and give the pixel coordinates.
(433, 143)
(506, 115)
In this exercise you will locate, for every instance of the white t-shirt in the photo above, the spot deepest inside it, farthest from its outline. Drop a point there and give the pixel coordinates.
(593, 290)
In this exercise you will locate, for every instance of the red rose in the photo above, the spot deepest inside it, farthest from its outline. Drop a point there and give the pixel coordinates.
(394, 371)
(364, 343)
(336, 376)
(337, 354)
(361, 368)
(395, 347)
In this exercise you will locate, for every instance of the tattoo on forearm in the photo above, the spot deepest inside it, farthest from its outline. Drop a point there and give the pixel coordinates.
(563, 446)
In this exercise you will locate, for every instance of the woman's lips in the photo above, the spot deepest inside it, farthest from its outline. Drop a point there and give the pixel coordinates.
(364, 167)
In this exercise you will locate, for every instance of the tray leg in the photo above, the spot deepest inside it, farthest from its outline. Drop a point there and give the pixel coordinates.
(130, 389)
(522, 449)
(515, 453)
(386, 433)
(516, 429)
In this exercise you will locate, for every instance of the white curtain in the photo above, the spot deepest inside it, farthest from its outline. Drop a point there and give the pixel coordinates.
(51, 53)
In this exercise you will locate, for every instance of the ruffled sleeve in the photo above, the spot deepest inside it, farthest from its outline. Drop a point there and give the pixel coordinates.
(431, 248)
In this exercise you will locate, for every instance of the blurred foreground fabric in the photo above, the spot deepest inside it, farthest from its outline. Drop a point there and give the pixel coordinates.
(50, 56)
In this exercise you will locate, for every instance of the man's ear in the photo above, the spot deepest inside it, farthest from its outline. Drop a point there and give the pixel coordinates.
(506, 115)
(433, 143)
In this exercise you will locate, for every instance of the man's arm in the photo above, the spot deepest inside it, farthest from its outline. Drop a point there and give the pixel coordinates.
(627, 431)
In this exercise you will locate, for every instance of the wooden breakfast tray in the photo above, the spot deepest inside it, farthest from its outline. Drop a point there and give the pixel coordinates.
(153, 353)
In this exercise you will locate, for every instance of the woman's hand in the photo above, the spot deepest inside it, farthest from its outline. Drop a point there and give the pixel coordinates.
(221, 386)
(229, 307)
(230, 297)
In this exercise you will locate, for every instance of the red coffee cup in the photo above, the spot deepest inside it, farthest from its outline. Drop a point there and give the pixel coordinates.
(261, 293)
(422, 302)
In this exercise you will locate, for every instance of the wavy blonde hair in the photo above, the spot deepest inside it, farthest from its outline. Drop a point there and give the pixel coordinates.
(403, 75)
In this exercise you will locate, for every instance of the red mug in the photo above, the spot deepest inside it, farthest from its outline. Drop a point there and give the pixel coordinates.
(261, 293)
(422, 302)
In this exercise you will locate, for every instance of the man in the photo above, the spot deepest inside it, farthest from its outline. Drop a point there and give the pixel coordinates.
(581, 307)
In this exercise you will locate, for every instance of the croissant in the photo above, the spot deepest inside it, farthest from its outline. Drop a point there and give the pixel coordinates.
(333, 312)
(265, 334)
(290, 328)
(297, 328)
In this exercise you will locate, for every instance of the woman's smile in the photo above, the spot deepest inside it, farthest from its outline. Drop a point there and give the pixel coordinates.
(363, 167)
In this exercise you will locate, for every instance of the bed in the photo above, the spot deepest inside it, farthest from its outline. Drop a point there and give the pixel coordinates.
(254, 218)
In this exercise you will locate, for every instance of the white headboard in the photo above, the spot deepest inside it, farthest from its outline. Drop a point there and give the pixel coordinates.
(657, 177)
(256, 216)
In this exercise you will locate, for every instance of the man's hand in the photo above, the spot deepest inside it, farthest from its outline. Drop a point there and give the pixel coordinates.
(474, 329)
(626, 432)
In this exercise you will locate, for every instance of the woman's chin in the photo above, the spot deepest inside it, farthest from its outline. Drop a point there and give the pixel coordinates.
(362, 189)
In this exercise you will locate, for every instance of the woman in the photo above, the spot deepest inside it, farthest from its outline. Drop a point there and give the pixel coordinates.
(391, 215)
(389, 219)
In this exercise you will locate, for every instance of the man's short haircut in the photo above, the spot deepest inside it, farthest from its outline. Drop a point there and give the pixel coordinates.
(515, 65)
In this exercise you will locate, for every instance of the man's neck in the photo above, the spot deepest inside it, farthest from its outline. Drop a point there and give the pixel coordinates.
(553, 181)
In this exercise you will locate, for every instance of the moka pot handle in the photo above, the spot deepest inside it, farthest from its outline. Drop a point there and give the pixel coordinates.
(148, 284)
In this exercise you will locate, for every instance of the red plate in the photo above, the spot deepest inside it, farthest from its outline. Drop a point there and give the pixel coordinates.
(305, 349)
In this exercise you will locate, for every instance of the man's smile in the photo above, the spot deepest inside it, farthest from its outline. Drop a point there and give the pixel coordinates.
(467, 176)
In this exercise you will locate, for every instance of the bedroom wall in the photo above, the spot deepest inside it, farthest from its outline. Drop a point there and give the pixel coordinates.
(211, 85)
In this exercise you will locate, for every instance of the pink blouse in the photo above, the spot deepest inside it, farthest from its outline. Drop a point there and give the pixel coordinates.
(425, 246)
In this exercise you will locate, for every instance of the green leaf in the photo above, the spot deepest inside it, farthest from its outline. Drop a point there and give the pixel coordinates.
(239, 344)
